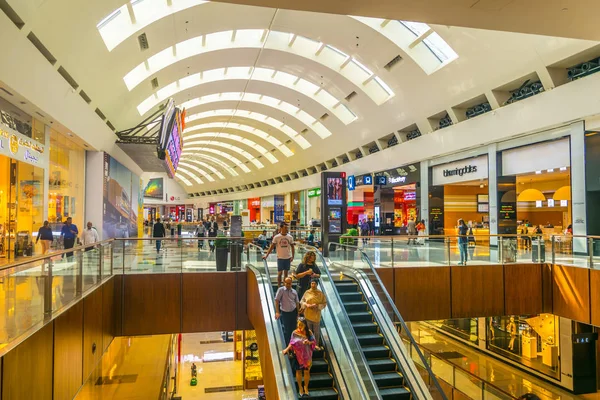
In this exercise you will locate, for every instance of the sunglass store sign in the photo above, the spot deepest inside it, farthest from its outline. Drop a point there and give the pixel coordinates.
(461, 171)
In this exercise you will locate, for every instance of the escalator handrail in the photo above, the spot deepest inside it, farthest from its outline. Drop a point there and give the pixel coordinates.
(285, 383)
(372, 391)
(405, 328)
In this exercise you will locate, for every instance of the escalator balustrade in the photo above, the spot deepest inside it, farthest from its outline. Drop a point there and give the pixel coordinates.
(380, 359)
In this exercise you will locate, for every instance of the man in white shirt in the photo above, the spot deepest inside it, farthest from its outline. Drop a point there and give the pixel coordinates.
(284, 242)
(90, 236)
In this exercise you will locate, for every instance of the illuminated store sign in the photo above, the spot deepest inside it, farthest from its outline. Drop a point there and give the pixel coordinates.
(17, 146)
(461, 171)
(397, 179)
(314, 192)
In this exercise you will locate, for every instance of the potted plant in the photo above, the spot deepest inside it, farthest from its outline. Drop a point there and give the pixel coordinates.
(349, 238)
(221, 249)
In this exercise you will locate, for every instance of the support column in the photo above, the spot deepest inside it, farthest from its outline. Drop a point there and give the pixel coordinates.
(493, 170)
(578, 190)
(424, 189)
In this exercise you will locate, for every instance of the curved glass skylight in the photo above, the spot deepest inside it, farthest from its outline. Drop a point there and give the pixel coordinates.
(326, 55)
(189, 174)
(334, 106)
(201, 144)
(191, 151)
(210, 159)
(135, 15)
(202, 172)
(190, 141)
(272, 102)
(189, 162)
(295, 136)
(243, 128)
(182, 179)
(416, 39)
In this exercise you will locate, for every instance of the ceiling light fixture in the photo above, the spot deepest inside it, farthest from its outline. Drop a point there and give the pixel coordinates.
(538, 172)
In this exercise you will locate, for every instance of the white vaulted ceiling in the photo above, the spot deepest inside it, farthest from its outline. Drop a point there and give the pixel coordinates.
(269, 91)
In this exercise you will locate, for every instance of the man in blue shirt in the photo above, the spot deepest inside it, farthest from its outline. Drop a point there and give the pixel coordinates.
(69, 234)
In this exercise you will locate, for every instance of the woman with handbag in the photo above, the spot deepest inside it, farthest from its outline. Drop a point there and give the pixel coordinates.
(302, 344)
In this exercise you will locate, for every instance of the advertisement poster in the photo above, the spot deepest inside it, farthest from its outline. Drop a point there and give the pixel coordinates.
(30, 193)
(279, 209)
(121, 197)
(334, 191)
(335, 220)
(154, 189)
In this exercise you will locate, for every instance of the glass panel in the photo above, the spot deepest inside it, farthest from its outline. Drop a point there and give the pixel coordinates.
(90, 258)
(468, 384)
(29, 207)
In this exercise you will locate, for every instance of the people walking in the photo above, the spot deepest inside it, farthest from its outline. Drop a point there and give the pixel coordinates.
(312, 303)
(158, 231)
(46, 236)
(303, 343)
(305, 271)
(284, 243)
(69, 234)
(90, 236)
(200, 233)
(412, 230)
(463, 241)
(421, 232)
(287, 304)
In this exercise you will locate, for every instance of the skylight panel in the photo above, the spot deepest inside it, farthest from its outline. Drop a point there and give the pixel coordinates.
(207, 166)
(228, 146)
(193, 176)
(189, 140)
(417, 28)
(182, 179)
(236, 161)
(440, 48)
(198, 170)
(213, 160)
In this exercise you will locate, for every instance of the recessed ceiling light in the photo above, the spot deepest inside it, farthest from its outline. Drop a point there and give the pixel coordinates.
(563, 168)
(538, 172)
(550, 170)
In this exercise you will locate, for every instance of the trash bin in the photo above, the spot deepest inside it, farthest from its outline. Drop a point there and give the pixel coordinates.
(536, 248)
(509, 251)
(236, 250)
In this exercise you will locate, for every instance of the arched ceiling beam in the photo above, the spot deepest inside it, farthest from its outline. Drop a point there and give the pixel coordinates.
(291, 133)
(267, 101)
(199, 150)
(200, 144)
(191, 167)
(328, 56)
(189, 174)
(205, 165)
(242, 128)
(190, 140)
(210, 159)
(289, 81)
(179, 176)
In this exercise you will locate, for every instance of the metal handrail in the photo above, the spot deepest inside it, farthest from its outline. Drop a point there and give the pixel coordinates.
(418, 346)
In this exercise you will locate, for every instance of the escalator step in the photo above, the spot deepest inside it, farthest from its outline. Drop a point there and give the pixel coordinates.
(395, 393)
(362, 316)
(353, 306)
(371, 352)
(370, 339)
(318, 355)
(389, 379)
(320, 380)
(351, 296)
(323, 394)
(346, 287)
(365, 327)
(319, 365)
(382, 365)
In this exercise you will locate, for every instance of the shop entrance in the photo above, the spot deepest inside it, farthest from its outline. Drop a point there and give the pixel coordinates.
(469, 201)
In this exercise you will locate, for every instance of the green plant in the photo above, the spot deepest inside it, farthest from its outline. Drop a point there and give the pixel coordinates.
(221, 242)
(347, 238)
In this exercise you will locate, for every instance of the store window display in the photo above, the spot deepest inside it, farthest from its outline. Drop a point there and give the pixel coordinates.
(66, 182)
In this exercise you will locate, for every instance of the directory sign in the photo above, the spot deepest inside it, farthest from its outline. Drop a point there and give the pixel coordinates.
(381, 180)
(351, 182)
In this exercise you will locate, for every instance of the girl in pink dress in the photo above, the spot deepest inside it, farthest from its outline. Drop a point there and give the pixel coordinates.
(302, 342)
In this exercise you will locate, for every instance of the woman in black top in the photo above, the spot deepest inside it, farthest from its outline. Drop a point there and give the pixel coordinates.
(45, 235)
(305, 271)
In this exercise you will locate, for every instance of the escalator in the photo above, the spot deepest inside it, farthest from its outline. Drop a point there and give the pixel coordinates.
(381, 361)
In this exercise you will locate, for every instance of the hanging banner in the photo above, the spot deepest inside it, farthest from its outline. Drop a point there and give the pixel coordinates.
(279, 206)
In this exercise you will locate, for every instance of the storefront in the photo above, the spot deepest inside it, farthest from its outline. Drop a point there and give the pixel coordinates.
(459, 190)
(314, 205)
(267, 208)
(396, 199)
(360, 199)
(66, 186)
(535, 181)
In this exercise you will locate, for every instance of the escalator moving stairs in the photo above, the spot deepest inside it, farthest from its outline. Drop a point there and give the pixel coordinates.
(380, 359)
(322, 386)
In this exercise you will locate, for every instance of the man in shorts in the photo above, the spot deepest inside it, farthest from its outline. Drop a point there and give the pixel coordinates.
(284, 242)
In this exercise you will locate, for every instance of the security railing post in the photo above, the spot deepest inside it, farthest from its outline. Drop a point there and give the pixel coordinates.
(79, 277)
(553, 245)
(392, 245)
(539, 246)
(112, 253)
(591, 251)
(48, 287)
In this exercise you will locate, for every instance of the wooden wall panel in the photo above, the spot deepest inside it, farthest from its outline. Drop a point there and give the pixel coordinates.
(152, 304)
(595, 296)
(108, 313)
(209, 302)
(27, 369)
(547, 288)
(92, 331)
(477, 291)
(118, 304)
(571, 293)
(423, 293)
(68, 353)
(387, 277)
(523, 293)
(241, 309)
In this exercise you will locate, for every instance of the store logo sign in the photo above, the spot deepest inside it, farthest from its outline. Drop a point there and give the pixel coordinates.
(468, 169)
(314, 192)
(30, 157)
(14, 144)
(173, 198)
(351, 182)
(398, 179)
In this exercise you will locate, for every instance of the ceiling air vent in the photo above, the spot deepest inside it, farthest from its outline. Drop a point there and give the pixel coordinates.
(351, 96)
(40, 114)
(41, 48)
(143, 41)
(154, 83)
(100, 114)
(358, 155)
(6, 91)
(110, 125)
(11, 14)
(392, 63)
(373, 149)
(85, 97)
(304, 173)
(392, 141)
(63, 72)
(334, 164)
(413, 134)
(324, 117)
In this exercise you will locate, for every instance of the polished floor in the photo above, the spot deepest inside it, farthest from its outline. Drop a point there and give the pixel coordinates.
(132, 369)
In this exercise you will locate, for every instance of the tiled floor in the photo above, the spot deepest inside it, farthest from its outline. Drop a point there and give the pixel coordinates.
(509, 379)
(141, 357)
(210, 374)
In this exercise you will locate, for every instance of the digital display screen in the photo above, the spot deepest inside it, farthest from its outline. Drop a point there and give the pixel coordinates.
(483, 208)
(376, 216)
(173, 150)
(335, 220)
(334, 191)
